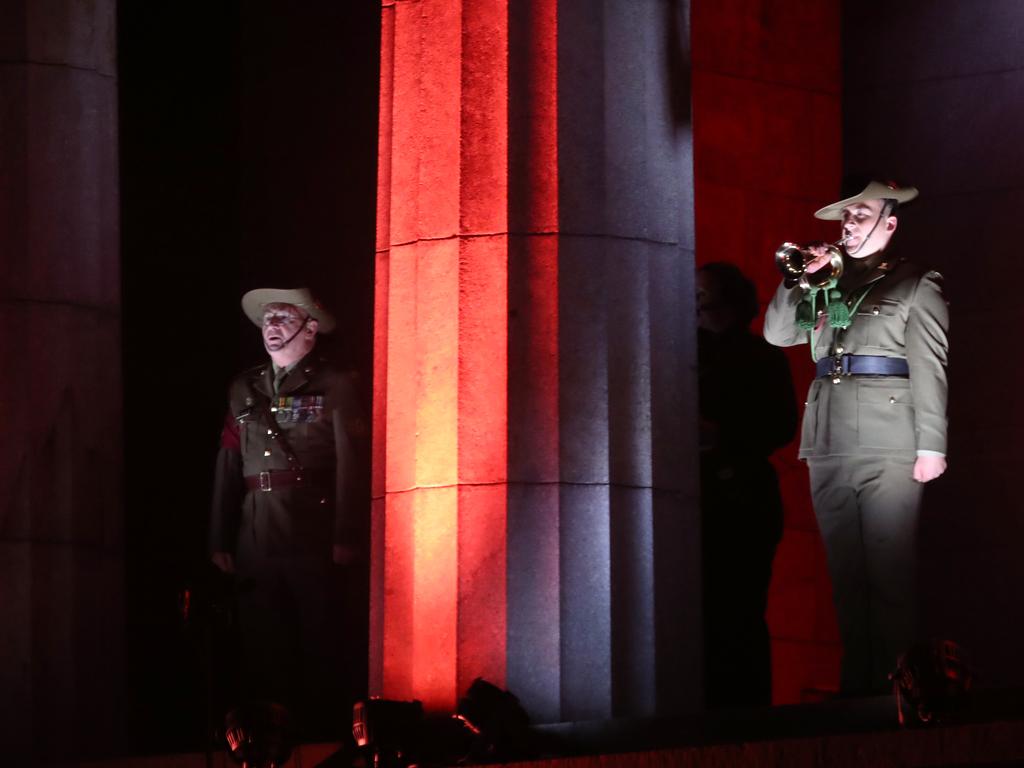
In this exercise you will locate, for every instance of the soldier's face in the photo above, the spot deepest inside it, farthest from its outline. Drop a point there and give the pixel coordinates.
(281, 322)
(865, 229)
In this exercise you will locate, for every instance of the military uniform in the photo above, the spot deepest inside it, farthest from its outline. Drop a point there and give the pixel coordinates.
(861, 435)
(283, 497)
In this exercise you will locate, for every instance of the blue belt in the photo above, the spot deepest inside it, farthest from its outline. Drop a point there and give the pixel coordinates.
(863, 365)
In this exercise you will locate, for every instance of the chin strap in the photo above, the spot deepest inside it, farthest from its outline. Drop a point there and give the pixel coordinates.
(840, 313)
(884, 213)
(300, 330)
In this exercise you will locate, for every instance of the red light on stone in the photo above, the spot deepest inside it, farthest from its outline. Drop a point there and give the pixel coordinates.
(441, 368)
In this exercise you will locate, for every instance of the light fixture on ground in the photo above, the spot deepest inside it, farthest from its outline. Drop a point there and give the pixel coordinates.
(259, 735)
(931, 682)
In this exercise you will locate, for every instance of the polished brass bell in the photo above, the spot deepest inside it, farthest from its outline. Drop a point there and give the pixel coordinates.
(792, 261)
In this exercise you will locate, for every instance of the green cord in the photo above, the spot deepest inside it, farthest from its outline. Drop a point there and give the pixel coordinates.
(836, 320)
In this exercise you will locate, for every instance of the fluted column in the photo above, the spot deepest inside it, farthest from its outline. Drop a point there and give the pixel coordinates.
(535, 508)
(61, 593)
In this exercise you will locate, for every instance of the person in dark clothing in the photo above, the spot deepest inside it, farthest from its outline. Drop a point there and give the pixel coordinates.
(747, 411)
(287, 511)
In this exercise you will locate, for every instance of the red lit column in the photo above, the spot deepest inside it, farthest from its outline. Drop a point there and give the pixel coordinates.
(534, 517)
(61, 559)
(440, 461)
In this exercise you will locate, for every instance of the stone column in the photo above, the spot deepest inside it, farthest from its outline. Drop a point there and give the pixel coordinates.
(61, 572)
(535, 472)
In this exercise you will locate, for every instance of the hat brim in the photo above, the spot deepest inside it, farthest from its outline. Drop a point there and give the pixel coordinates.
(254, 301)
(873, 191)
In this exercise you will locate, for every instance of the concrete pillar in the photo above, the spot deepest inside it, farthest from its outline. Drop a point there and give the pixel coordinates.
(535, 513)
(61, 572)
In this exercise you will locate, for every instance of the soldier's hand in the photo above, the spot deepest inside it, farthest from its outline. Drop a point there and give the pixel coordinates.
(224, 561)
(928, 468)
(821, 257)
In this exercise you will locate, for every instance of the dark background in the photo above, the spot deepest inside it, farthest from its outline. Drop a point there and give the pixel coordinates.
(933, 93)
(248, 159)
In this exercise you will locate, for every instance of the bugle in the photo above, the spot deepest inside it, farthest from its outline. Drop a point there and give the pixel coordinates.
(792, 261)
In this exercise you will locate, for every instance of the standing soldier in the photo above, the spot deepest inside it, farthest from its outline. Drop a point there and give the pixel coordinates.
(284, 511)
(874, 428)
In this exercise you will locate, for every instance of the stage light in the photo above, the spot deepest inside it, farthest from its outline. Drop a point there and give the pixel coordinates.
(931, 682)
(489, 725)
(259, 735)
(388, 730)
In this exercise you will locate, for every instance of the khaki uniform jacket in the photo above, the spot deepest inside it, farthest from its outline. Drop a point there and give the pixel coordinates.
(903, 315)
(317, 420)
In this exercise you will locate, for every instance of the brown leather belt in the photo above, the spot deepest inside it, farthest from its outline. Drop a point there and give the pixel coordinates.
(283, 478)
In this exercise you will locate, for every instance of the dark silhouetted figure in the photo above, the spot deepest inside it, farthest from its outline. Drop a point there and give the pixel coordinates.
(747, 411)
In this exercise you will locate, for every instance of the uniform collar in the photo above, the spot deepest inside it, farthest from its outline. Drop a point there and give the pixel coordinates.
(860, 272)
(299, 374)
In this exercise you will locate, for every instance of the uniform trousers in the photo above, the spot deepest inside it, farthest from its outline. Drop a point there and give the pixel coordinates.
(291, 612)
(867, 510)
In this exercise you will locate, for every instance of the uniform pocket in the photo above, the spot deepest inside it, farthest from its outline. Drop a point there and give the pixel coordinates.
(880, 324)
(881, 308)
(885, 414)
(809, 430)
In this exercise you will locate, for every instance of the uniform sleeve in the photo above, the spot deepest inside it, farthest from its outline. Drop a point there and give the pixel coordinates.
(927, 345)
(226, 504)
(780, 326)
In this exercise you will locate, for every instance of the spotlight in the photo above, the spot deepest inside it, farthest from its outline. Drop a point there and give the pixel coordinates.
(931, 680)
(490, 725)
(389, 730)
(259, 735)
